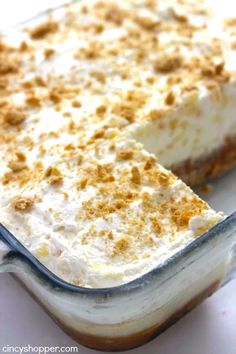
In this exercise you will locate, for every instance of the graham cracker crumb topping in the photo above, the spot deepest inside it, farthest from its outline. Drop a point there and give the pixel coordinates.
(54, 176)
(120, 247)
(135, 175)
(168, 63)
(7, 67)
(14, 116)
(22, 204)
(170, 98)
(17, 166)
(115, 15)
(124, 154)
(41, 31)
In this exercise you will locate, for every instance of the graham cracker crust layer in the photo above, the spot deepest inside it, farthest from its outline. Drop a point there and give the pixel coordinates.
(115, 344)
(140, 338)
(194, 172)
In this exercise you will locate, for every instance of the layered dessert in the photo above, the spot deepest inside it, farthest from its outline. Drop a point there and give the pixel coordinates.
(96, 102)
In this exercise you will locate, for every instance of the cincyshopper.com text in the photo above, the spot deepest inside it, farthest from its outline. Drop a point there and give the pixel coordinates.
(38, 349)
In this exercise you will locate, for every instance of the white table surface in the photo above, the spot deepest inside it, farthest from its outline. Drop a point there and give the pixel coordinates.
(209, 329)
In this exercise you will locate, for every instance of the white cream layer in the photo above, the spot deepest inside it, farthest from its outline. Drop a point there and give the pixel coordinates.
(196, 135)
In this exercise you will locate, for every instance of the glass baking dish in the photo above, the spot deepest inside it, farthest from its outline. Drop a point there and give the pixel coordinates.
(126, 316)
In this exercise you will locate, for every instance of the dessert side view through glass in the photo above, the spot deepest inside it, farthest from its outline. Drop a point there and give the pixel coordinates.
(99, 102)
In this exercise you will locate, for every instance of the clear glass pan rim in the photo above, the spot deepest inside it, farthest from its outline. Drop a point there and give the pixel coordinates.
(17, 250)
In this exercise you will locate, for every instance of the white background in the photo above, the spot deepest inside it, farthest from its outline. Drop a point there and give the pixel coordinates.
(209, 329)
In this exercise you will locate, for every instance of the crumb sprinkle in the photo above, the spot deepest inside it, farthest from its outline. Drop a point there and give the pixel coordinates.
(22, 203)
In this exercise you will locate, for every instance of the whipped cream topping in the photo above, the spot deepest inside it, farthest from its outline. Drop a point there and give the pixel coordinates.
(79, 92)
